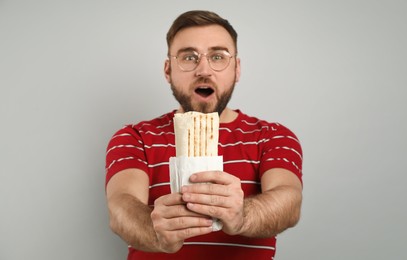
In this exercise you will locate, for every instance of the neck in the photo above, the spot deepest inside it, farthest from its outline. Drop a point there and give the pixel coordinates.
(227, 116)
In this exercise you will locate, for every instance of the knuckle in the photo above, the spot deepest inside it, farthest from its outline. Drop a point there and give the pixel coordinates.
(213, 211)
(180, 210)
(214, 199)
(154, 215)
(238, 191)
(236, 179)
(157, 202)
(187, 232)
(157, 226)
(212, 188)
(181, 222)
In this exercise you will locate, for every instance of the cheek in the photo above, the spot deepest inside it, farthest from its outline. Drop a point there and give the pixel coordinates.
(231, 79)
(182, 80)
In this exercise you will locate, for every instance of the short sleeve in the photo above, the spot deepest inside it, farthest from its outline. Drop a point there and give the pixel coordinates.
(124, 151)
(282, 150)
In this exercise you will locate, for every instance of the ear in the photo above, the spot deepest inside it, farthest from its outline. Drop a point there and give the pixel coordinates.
(167, 70)
(237, 70)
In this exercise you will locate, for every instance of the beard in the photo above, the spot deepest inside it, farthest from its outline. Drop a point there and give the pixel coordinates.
(185, 100)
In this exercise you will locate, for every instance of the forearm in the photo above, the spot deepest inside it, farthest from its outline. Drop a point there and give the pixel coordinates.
(271, 212)
(131, 220)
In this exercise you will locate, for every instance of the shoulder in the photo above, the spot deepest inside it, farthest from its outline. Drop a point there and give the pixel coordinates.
(161, 123)
(275, 132)
(257, 123)
(144, 130)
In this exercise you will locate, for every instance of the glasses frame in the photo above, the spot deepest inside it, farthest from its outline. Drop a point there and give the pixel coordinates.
(199, 60)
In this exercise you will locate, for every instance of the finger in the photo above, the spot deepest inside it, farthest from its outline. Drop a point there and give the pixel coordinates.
(206, 188)
(212, 200)
(181, 223)
(179, 211)
(213, 211)
(218, 177)
(169, 200)
(192, 232)
(173, 240)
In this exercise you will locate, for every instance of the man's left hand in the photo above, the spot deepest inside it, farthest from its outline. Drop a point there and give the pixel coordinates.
(219, 195)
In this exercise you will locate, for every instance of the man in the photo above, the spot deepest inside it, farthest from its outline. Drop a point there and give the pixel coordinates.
(257, 196)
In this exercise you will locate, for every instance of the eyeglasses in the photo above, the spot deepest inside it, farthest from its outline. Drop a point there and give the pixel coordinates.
(188, 60)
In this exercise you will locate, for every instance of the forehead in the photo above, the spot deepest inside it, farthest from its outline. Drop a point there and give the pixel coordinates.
(202, 38)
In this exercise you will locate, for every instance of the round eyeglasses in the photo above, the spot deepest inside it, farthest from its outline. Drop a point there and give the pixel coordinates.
(188, 60)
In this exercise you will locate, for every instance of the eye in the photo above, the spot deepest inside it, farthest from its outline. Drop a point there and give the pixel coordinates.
(189, 57)
(217, 56)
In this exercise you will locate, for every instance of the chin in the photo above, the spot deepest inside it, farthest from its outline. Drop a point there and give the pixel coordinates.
(205, 108)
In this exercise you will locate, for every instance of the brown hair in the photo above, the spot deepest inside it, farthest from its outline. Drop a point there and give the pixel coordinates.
(199, 18)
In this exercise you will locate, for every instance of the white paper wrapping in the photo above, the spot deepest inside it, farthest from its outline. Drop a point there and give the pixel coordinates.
(182, 167)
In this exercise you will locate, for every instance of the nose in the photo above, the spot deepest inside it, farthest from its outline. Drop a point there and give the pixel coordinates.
(203, 68)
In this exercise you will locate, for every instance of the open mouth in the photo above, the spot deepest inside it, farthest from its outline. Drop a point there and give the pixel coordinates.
(204, 91)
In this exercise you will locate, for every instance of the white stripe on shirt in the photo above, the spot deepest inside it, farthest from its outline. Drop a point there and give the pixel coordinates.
(124, 146)
(244, 143)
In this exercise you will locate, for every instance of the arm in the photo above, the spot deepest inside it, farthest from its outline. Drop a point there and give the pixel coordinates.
(162, 228)
(276, 208)
(127, 197)
(264, 215)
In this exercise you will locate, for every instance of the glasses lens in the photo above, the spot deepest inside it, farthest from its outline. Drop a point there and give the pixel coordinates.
(188, 60)
(218, 60)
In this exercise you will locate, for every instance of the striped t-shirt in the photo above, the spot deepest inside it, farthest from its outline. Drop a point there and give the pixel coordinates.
(249, 147)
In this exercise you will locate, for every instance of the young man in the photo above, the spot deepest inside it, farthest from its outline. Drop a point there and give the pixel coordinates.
(257, 196)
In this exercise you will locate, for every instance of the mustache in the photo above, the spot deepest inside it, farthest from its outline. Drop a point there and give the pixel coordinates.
(204, 80)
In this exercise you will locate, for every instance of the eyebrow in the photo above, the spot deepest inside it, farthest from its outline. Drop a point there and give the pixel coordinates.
(186, 49)
(219, 48)
(214, 48)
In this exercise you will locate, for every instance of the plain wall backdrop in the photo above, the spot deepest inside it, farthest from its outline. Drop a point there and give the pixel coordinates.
(74, 72)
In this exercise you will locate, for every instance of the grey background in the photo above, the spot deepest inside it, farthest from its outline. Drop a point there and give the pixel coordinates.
(74, 72)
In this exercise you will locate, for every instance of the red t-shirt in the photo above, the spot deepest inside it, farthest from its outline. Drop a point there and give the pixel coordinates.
(249, 147)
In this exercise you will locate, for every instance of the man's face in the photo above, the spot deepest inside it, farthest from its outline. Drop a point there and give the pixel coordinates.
(202, 89)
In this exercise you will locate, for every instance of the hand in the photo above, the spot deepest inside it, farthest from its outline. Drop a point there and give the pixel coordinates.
(219, 195)
(173, 222)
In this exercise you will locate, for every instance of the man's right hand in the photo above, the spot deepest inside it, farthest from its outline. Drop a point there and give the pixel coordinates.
(173, 222)
(162, 228)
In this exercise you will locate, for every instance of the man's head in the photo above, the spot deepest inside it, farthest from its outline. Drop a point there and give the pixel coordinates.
(199, 18)
(202, 66)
